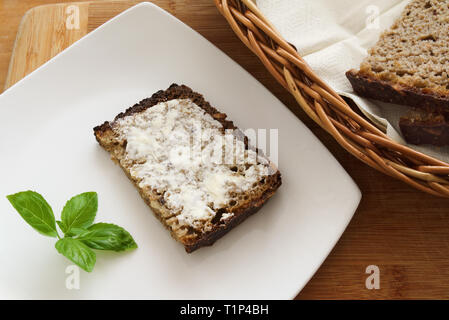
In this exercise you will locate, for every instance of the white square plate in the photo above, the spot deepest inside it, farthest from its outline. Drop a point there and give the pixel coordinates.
(47, 145)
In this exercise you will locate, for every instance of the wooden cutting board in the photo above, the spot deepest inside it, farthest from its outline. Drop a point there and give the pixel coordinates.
(48, 29)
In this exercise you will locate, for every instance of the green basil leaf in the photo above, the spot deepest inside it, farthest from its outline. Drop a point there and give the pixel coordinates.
(80, 211)
(76, 231)
(77, 252)
(107, 236)
(35, 211)
(73, 231)
(62, 226)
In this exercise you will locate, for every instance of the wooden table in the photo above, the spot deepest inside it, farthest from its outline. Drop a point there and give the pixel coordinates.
(402, 231)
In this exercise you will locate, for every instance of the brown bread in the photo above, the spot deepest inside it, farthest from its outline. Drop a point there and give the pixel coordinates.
(240, 203)
(409, 66)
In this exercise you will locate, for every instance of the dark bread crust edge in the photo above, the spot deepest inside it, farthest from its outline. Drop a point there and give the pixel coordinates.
(239, 216)
(370, 87)
(173, 92)
(414, 132)
(183, 92)
(424, 132)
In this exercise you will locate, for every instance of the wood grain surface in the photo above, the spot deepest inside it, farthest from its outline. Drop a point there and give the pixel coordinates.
(402, 231)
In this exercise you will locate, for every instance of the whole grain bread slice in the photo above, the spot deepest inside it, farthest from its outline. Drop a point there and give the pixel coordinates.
(241, 204)
(409, 66)
(409, 63)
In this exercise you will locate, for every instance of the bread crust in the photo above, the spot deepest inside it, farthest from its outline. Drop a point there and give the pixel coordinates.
(173, 92)
(239, 216)
(371, 87)
(424, 132)
(102, 132)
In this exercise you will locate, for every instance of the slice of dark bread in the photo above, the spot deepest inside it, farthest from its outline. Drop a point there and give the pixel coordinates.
(198, 201)
(420, 127)
(409, 63)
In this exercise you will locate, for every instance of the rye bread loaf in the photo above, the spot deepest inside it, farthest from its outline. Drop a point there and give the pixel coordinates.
(409, 66)
(198, 201)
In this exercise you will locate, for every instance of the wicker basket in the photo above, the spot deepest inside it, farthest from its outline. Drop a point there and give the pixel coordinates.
(351, 130)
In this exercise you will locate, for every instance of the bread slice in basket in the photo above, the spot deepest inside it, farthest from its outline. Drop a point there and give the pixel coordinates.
(409, 65)
(193, 167)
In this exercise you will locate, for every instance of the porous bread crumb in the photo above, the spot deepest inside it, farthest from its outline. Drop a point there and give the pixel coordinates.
(414, 51)
(179, 151)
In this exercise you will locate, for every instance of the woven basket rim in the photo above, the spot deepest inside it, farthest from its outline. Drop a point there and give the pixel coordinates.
(322, 104)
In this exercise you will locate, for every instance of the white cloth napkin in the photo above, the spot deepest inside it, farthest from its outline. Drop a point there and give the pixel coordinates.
(333, 36)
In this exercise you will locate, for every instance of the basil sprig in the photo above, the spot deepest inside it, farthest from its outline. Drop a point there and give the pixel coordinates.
(81, 235)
